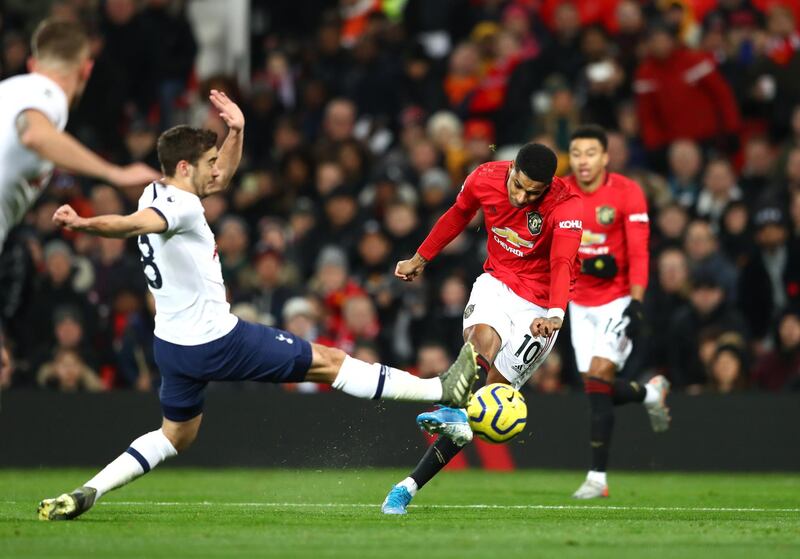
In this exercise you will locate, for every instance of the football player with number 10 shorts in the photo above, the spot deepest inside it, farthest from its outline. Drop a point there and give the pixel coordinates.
(606, 313)
(516, 307)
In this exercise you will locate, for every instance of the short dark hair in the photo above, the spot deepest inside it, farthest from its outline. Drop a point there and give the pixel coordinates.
(183, 143)
(537, 161)
(64, 41)
(590, 132)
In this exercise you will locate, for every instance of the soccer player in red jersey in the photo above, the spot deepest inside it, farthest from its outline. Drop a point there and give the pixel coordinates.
(606, 309)
(512, 318)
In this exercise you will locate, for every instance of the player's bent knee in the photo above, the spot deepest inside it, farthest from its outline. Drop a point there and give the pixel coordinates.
(181, 433)
(325, 363)
(602, 369)
(485, 339)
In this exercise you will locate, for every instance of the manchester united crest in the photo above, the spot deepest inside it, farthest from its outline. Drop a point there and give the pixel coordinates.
(605, 215)
(468, 311)
(534, 223)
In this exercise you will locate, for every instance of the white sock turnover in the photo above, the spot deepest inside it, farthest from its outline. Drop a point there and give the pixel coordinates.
(381, 382)
(410, 485)
(144, 454)
(652, 395)
(599, 477)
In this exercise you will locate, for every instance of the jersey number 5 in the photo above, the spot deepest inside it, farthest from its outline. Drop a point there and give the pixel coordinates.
(151, 271)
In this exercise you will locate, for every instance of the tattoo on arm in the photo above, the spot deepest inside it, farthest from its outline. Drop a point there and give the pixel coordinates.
(22, 124)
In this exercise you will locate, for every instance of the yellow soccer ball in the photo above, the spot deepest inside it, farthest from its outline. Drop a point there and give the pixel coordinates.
(497, 413)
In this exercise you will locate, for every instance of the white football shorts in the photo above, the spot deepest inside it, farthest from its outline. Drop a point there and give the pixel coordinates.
(492, 302)
(600, 332)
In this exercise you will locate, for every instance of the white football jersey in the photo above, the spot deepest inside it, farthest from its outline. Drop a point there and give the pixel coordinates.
(23, 175)
(183, 271)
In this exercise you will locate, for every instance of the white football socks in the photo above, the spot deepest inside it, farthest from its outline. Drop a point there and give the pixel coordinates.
(652, 396)
(599, 477)
(381, 382)
(144, 454)
(410, 485)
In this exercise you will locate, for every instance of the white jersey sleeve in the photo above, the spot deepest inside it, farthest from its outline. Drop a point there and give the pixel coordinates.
(179, 217)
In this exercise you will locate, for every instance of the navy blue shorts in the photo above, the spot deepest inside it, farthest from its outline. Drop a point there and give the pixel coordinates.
(248, 352)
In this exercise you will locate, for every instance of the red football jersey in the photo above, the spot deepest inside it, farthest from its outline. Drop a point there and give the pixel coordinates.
(615, 222)
(533, 250)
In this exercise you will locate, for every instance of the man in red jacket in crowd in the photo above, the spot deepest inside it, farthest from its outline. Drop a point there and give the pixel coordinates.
(680, 93)
(606, 313)
(512, 318)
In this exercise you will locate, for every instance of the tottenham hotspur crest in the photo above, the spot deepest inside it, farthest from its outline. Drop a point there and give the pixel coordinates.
(534, 223)
(468, 311)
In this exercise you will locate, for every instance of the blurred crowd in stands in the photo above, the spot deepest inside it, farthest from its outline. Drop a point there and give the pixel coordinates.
(363, 119)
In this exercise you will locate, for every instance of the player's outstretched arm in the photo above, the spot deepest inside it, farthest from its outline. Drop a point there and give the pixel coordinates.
(142, 222)
(37, 133)
(230, 154)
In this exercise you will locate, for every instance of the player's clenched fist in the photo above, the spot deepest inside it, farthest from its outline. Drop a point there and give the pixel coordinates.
(65, 216)
(545, 326)
(409, 269)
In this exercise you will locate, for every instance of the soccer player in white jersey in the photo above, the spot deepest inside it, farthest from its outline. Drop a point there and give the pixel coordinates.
(197, 339)
(33, 114)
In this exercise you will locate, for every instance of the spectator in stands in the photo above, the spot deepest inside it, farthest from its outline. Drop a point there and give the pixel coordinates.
(736, 235)
(779, 369)
(136, 366)
(603, 78)
(432, 359)
(337, 126)
(332, 284)
(719, 190)
(114, 269)
(342, 224)
(702, 248)
(563, 54)
(402, 225)
(681, 94)
(671, 223)
(771, 278)
(67, 372)
(366, 351)
(443, 322)
(359, 324)
(775, 74)
(728, 369)
(446, 131)
(270, 292)
(548, 377)
(758, 170)
(707, 309)
(166, 25)
(669, 292)
(233, 241)
(685, 167)
(56, 289)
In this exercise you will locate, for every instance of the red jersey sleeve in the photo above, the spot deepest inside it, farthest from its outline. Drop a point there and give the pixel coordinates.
(452, 222)
(568, 228)
(637, 235)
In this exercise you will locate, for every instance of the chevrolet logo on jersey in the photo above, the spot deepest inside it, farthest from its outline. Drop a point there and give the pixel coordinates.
(605, 215)
(512, 237)
(589, 238)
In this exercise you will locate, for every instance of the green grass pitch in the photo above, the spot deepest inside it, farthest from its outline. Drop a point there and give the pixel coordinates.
(175, 512)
